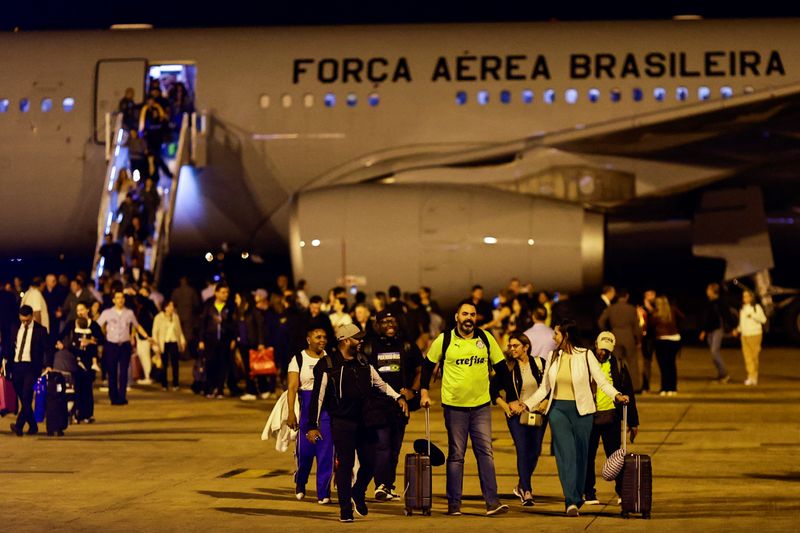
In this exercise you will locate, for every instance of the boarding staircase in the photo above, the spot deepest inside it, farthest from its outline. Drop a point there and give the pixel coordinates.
(189, 154)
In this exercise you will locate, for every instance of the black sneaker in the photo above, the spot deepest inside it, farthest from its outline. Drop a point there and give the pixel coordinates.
(498, 508)
(591, 499)
(453, 511)
(381, 493)
(345, 516)
(360, 507)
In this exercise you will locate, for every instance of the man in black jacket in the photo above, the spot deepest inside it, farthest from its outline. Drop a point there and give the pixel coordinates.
(608, 418)
(31, 356)
(345, 383)
(217, 339)
(399, 363)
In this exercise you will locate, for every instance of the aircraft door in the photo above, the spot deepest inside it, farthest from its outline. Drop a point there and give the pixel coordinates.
(112, 77)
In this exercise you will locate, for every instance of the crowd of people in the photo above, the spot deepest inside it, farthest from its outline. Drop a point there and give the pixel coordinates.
(358, 369)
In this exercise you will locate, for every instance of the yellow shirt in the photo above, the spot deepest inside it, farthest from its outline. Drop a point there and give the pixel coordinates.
(564, 379)
(604, 403)
(219, 306)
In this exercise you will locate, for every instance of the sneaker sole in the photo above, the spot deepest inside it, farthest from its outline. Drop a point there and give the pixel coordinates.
(500, 510)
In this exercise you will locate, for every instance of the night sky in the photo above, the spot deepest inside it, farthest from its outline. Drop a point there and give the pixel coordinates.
(53, 14)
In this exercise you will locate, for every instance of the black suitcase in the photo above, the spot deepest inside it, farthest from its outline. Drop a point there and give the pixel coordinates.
(418, 477)
(56, 413)
(637, 480)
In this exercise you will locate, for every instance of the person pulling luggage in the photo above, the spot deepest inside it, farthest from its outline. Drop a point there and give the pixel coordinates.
(345, 383)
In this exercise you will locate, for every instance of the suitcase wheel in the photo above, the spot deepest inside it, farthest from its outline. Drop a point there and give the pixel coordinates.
(408, 512)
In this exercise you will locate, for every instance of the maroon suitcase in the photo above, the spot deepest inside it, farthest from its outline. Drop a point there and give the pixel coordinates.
(8, 398)
(637, 480)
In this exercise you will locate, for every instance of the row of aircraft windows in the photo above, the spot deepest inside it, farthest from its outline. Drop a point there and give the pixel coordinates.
(46, 105)
(571, 96)
(328, 100)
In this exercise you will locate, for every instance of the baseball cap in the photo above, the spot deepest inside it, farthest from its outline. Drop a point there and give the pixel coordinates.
(348, 331)
(606, 341)
(385, 313)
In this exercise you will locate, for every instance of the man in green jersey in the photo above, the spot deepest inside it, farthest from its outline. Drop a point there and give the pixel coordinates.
(466, 356)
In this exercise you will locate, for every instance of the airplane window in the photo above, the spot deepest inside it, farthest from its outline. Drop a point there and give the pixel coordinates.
(682, 93)
(616, 95)
(461, 97)
(703, 93)
(286, 100)
(263, 101)
(594, 95)
(748, 89)
(638, 94)
(308, 100)
(659, 93)
(374, 99)
(726, 92)
(68, 104)
(505, 97)
(527, 96)
(47, 105)
(549, 96)
(330, 100)
(4, 105)
(24, 105)
(483, 97)
(571, 96)
(352, 100)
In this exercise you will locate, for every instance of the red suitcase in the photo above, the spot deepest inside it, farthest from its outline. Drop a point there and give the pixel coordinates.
(8, 398)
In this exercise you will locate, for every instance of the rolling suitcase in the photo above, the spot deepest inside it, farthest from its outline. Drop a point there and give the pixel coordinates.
(637, 480)
(418, 477)
(57, 412)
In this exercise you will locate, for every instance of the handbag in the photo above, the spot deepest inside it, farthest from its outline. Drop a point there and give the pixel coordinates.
(262, 362)
(531, 419)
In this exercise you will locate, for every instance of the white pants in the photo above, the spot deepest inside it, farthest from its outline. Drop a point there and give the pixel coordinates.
(143, 351)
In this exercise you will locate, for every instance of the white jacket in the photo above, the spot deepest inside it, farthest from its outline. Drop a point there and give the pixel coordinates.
(276, 423)
(160, 325)
(584, 399)
(751, 320)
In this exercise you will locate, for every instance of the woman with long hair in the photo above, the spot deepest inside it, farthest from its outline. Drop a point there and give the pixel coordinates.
(518, 385)
(751, 330)
(567, 378)
(664, 323)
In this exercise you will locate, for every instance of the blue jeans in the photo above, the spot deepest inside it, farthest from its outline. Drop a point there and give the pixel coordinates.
(528, 444)
(477, 425)
(714, 340)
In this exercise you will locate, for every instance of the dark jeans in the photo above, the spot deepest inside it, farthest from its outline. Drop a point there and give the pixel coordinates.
(118, 359)
(612, 441)
(219, 367)
(170, 356)
(84, 393)
(528, 443)
(350, 437)
(477, 425)
(387, 451)
(24, 377)
(667, 353)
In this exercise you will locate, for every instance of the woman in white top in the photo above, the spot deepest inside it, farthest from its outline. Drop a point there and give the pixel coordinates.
(168, 335)
(301, 376)
(571, 408)
(751, 322)
(518, 385)
(339, 316)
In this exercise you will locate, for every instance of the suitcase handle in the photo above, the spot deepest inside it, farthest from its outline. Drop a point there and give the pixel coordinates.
(624, 438)
(428, 428)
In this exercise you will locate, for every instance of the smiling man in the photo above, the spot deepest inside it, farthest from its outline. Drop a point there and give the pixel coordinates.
(466, 356)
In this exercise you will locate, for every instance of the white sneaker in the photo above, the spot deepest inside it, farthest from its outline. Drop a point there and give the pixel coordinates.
(324, 501)
(672, 393)
(144, 381)
(572, 510)
(247, 397)
(300, 495)
(265, 395)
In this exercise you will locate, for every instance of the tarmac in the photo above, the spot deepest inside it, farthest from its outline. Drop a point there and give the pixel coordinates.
(725, 457)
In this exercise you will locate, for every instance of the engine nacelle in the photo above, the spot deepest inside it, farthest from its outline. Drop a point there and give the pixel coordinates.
(446, 237)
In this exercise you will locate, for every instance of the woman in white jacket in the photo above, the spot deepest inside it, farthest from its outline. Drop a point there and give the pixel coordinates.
(168, 336)
(571, 408)
(751, 322)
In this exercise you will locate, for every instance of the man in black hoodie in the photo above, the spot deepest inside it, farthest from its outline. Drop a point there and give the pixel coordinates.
(345, 382)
